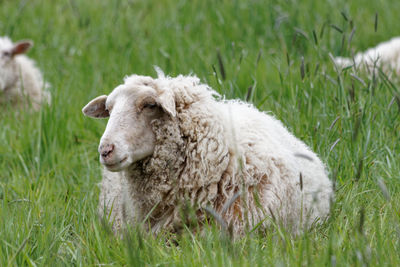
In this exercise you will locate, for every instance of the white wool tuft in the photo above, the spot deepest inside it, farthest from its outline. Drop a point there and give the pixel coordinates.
(160, 72)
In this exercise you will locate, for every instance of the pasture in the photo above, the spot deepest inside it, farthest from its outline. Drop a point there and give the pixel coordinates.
(275, 54)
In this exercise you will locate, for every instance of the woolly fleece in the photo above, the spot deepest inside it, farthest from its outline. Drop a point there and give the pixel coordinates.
(211, 150)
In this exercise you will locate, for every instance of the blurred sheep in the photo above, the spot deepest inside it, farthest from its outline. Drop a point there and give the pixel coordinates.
(21, 82)
(385, 55)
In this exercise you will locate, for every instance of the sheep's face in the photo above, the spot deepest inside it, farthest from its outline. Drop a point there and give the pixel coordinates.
(9, 72)
(131, 108)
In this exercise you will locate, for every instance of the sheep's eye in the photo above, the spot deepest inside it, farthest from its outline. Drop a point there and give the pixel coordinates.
(7, 53)
(150, 105)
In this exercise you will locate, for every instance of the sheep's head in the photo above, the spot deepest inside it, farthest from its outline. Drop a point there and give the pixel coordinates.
(8, 69)
(131, 107)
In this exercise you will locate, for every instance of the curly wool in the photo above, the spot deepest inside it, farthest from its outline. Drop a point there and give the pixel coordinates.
(211, 151)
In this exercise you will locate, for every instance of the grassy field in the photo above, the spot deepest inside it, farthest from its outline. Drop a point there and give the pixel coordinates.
(282, 49)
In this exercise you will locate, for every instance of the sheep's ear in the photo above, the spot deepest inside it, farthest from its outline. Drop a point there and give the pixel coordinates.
(97, 108)
(21, 47)
(167, 102)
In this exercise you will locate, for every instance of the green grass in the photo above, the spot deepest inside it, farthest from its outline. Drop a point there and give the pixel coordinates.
(49, 163)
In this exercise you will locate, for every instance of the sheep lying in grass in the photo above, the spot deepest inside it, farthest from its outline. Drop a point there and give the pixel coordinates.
(385, 56)
(170, 143)
(20, 81)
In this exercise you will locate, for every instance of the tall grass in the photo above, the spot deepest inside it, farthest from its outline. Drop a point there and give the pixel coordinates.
(275, 54)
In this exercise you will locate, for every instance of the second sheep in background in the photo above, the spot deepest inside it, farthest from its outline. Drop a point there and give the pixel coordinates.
(21, 82)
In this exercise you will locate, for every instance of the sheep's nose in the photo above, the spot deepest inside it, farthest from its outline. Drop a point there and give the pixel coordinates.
(106, 150)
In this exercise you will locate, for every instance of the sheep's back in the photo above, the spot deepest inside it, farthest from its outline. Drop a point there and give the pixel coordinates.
(274, 159)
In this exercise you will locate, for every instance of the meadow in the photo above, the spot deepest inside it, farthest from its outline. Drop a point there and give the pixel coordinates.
(275, 54)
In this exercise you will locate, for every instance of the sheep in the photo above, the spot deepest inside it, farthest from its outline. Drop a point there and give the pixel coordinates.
(385, 55)
(21, 82)
(171, 142)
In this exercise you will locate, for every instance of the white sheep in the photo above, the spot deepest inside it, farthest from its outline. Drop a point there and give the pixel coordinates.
(21, 82)
(169, 142)
(385, 55)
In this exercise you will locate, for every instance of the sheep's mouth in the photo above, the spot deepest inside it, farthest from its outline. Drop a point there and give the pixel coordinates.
(116, 164)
